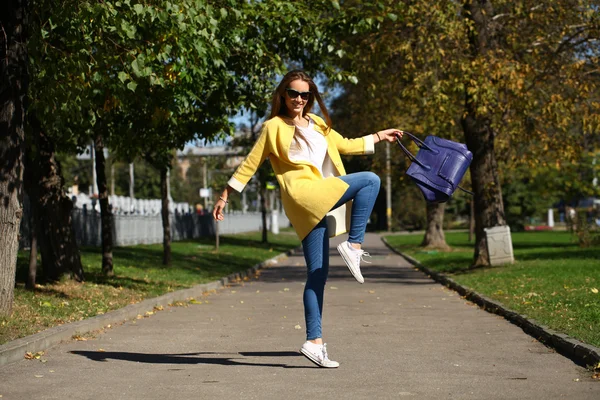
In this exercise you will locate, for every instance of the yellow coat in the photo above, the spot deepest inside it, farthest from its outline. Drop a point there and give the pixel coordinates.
(306, 196)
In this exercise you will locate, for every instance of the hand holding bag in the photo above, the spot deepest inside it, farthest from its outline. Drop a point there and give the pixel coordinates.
(438, 167)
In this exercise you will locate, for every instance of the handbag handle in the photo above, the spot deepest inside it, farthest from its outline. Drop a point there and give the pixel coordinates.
(421, 145)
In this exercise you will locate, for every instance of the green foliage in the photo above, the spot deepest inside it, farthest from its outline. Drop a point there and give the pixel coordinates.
(528, 191)
(537, 84)
(151, 76)
(585, 230)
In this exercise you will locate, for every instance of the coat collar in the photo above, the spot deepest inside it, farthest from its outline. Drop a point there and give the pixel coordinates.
(318, 124)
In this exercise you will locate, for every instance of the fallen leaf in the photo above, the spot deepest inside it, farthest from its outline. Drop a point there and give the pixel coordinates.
(258, 291)
(594, 290)
(33, 356)
(149, 313)
(286, 289)
(102, 350)
(333, 288)
(297, 327)
(79, 338)
(361, 301)
(194, 301)
(371, 291)
(158, 308)
(39, 376)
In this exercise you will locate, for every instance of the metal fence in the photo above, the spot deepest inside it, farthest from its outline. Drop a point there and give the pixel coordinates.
(147, 229)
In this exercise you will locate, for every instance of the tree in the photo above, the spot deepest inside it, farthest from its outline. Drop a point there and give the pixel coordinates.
(14, 16)
(52, 208)
(164, 186)
(434, 237)
(515, 78)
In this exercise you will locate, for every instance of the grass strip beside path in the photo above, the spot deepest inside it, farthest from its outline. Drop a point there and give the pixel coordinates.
(553, 280)
(139, 275)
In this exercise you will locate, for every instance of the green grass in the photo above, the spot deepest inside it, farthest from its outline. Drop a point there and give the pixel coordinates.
(553, 280)
(139, 275)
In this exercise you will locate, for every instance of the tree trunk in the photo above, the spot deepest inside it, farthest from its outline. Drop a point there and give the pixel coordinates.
(105, 211)
(52, 209)
(164, 194)
(434, 235)
(480, 137)
(13, 89)
(471, 219)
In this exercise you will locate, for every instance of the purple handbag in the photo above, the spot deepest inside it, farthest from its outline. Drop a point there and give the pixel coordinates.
(438, 167)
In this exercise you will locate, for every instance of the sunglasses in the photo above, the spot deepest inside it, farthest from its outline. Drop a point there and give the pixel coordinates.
(294, 93)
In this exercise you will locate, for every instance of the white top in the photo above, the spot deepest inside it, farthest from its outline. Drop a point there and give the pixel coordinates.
(312, 150)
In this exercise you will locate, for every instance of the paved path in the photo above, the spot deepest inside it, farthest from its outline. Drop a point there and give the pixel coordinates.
(400, 335)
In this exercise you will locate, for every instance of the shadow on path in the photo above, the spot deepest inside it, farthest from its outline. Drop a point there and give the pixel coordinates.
(190, 358)
(372, 273)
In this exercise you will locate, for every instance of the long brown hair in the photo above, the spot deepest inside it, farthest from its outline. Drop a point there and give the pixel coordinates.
(278, 107)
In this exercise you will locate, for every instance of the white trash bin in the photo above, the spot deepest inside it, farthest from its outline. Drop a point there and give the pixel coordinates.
(499, 245)
(274, 222)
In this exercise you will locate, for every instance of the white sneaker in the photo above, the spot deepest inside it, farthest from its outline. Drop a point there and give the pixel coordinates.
(317, 353)
(352, 257)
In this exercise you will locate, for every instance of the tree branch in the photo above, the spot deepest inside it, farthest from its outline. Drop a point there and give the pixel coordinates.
(5, 43)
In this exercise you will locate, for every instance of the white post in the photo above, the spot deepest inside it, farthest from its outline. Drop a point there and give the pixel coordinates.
(551, 218)
(94, 180)
(274, 222)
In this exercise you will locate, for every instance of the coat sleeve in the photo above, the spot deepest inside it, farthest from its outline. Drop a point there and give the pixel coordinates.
(260, 151)
(362, 145)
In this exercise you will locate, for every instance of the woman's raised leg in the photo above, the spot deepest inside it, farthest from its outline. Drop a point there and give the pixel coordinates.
(363, 189)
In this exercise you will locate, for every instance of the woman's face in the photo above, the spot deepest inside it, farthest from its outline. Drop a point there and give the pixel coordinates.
(295, 105)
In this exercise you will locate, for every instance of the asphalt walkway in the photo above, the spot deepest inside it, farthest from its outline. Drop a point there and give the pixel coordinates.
(399, 335)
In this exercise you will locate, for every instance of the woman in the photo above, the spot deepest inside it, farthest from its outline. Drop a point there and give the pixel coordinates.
(305, 155)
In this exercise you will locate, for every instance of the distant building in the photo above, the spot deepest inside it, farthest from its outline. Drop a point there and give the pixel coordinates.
(234, 156)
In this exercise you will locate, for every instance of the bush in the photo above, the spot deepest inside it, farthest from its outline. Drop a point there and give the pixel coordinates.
(586, 232)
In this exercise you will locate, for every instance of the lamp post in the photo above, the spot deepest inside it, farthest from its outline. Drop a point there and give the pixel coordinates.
(388, 184)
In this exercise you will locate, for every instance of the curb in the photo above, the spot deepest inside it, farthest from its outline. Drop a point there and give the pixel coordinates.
(15, 350)
(581, 353)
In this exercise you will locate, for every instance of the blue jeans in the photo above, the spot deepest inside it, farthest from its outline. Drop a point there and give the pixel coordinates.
(364, 187)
